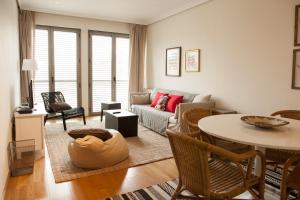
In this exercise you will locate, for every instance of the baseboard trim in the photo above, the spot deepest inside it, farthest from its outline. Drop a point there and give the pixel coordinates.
(5, 186)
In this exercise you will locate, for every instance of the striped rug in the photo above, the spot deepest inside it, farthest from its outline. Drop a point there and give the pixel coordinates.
(164, 191)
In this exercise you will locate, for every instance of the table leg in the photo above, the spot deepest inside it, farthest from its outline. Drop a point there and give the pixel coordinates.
(257, 168)
(101, 115)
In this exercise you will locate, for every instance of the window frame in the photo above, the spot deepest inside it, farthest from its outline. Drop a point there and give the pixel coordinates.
(113, 35)
(51, 67)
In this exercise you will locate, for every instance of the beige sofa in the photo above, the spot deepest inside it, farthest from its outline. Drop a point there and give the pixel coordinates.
(157, 120)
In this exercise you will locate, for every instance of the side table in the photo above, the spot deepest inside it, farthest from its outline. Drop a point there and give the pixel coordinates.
(109, 106)
(31, 126)
(219, 111)
(123, 121)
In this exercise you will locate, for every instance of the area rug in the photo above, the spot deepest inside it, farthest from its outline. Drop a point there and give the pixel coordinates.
(164, 191)
(146, 148)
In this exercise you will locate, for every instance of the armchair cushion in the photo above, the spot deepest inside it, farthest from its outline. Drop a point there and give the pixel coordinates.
(59, 106)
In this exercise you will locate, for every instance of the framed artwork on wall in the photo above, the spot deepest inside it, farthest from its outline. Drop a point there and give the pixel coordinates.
(296, 69)
(192, 60)
(297, 26)
(173, 61)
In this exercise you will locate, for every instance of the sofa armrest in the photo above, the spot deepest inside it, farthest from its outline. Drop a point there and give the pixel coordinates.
(139, 98)
(182, 107)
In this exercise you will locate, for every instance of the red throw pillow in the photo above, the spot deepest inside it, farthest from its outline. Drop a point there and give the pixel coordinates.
(156, 98)
(173, 101)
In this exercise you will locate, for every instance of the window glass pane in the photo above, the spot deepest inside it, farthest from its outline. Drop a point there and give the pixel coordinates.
(65, 65)
(41, 78)
(68, 89)
(122, 70)
(101, 70)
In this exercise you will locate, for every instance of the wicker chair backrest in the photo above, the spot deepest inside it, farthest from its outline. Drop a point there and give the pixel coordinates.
(52, 97)
(192, 116)
(291, 114)
(191, 157)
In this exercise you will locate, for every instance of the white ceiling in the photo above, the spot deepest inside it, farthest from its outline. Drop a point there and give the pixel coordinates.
(131, 11)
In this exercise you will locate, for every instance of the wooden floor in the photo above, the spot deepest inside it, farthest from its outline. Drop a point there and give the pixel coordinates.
(41, 184)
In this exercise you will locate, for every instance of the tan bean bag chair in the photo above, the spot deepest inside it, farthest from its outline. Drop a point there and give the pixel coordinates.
(92, 153)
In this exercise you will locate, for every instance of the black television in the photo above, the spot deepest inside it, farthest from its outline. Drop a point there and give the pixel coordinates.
(30, 97)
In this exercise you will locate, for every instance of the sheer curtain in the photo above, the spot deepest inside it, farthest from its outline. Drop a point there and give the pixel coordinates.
(26, 23)
(137, 57)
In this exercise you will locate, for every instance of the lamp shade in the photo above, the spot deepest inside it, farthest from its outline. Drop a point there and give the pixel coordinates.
(29, 65)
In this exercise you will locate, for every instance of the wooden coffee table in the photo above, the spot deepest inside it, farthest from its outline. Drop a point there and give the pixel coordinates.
(122, 120)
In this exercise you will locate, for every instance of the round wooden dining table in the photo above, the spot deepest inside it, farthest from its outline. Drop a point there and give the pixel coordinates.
(230, 127)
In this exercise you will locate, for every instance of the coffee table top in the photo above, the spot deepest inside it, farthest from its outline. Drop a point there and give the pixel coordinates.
(121, 113)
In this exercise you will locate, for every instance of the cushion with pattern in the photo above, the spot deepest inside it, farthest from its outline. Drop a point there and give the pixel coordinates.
(161, 103)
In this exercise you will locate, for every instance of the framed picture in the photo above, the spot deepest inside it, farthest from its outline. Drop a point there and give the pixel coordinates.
(297, 26)
(173, 61)
(192, 60)
(296, 69)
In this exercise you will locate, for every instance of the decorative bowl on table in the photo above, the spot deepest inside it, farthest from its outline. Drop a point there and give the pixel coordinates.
(264, 122)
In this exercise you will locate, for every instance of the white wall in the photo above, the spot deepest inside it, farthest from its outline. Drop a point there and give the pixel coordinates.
(246, 53)
(9, 79)
(84, 24)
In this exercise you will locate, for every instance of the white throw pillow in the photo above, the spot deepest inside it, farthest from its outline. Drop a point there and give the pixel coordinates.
(201, 98)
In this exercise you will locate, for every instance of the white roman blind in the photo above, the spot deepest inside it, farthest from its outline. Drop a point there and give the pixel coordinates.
(58, 59)
(108, 69)
(101, 71)
(65, 65)
(41, 77)
(122, 70)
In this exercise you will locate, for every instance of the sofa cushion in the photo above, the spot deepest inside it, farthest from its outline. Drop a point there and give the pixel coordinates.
(156, 98)
(161, 103)
(173, 102)
(155, 90)
(187, 97)
(140, 99)
(202, 98)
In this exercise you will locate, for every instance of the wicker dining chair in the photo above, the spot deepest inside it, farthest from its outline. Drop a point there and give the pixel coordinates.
(287, 158)
(221, 177)
(190, 120)
(191, 117)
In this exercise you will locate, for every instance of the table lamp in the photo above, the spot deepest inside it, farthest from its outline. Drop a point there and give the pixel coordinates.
(30, 65)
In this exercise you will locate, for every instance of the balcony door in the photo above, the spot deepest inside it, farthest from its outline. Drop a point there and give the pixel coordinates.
(57, 52)
(108, 69)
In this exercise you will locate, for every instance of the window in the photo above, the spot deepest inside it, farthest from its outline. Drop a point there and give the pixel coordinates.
(122, 70)
(108, 69)
(41, 78)
(58, 58)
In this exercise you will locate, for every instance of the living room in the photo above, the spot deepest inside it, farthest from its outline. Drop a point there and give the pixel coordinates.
(246, 63)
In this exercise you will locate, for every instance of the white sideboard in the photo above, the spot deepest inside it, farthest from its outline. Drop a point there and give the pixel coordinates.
(31, 126)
